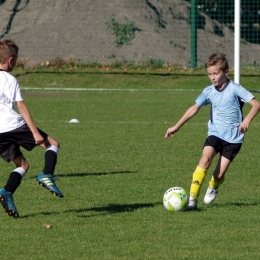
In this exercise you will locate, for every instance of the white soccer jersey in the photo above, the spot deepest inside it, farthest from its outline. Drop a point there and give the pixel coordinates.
(9, 93)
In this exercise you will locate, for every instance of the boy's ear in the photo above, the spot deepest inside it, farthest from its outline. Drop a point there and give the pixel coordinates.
(11, 61)
(227, 71)
(10, 58)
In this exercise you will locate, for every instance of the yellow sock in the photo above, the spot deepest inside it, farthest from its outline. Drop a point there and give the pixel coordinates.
(213, 184)
(197, 179)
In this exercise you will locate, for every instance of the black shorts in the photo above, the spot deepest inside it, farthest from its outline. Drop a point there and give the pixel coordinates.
(10, 142)
(226, 149)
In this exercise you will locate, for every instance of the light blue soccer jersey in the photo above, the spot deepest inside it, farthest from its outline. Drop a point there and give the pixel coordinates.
(226, 110)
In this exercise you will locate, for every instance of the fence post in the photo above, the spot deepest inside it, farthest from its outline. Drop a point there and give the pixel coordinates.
(193, 48)
(237, 41)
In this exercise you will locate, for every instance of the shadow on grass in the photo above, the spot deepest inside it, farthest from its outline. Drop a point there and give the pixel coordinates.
(105, 210)
(92, 174)
(122, 208)
(82, 174)
(114, 209)
(234, 204)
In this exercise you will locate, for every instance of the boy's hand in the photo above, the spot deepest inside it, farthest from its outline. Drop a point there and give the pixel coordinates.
(38, 138)
(171, 131)
(243, 127)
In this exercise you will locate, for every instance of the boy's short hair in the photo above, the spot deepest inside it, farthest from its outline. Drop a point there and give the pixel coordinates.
(217, 59)
(8, 48)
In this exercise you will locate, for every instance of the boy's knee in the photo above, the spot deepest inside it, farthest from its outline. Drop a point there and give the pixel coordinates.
(25, 165)
(21, 162)
(205, 162)
(50, 141)
(55, 143)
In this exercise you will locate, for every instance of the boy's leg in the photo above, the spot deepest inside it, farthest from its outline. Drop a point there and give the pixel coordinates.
(228, 153)
(14, 179)
(51, 154)
(45, 179)
(13, 182)
(217, 179)
(199, 176)
(197, 180)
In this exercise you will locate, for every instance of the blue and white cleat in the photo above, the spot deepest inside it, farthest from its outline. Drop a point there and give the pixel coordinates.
(47, 181)
(6, 199)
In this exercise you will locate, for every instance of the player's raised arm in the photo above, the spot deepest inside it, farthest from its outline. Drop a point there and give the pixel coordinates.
(192, 111)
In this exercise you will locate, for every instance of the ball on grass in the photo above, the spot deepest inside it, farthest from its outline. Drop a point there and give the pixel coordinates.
(175, 199)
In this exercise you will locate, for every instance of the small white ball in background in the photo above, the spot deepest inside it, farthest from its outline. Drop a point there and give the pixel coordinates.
(74, 120)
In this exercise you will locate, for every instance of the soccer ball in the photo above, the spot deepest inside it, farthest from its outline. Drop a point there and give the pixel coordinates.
(175, 199)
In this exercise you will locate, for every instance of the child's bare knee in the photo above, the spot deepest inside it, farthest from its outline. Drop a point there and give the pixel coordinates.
(25, 165)
(21, 162)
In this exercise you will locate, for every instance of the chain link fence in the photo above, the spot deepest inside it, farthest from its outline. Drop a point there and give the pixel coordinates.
(131, 31)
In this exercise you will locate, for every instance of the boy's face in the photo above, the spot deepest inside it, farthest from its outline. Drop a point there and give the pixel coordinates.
(217, 76)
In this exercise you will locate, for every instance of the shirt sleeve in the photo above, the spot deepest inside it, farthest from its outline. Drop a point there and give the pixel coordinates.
(202, 99)
(244, 94)
(17, 95)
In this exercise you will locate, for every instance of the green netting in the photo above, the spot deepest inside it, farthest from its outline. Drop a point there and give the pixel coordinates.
(133, 31)
(223, 12)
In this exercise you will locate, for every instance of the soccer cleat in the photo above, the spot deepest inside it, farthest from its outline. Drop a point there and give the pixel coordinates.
(47, 181)
(210, 195)
(192, 203)
(6, 200)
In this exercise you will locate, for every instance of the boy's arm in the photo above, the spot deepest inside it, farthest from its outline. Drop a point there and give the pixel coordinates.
(24, 111)
(252, 113)
(192, 111)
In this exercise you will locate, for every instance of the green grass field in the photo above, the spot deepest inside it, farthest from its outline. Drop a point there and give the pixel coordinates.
(114, 167)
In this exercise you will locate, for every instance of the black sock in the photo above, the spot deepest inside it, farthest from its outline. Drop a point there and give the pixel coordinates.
(13, 182)
(50, 162)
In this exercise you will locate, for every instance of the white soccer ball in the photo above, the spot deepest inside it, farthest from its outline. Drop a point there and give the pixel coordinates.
(175, 199)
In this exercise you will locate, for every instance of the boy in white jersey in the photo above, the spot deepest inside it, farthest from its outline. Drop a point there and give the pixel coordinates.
(19, 130)
(226, 127)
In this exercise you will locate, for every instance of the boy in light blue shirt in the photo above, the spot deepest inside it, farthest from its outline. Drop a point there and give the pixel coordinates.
(226, 126)
(226, 110)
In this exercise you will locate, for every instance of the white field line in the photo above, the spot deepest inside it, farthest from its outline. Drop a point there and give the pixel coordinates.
(116, 122)
(120, 89)
(167, 124)
(112, 89)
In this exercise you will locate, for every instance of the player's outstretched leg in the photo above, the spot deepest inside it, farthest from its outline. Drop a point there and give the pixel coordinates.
(47, 181)
(6, 199)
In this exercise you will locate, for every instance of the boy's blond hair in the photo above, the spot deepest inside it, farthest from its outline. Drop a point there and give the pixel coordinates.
(8, 48)
(217, 59)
